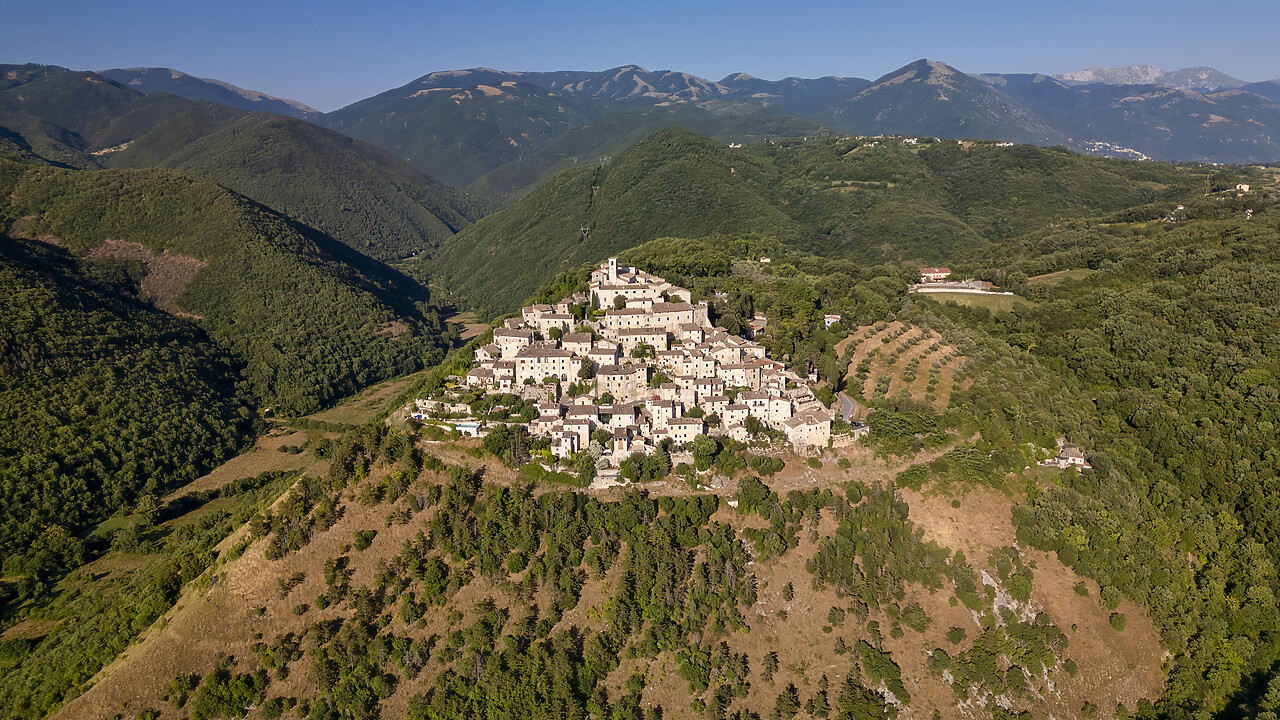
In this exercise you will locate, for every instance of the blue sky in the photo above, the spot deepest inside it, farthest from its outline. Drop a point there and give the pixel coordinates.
(329, 54)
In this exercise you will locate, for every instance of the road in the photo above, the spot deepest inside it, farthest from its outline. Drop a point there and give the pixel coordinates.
(847, 406)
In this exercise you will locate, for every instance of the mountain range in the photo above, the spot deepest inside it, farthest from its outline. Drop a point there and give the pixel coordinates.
(1199, 79)
(464, 125)
(498, 133)
(355, 192)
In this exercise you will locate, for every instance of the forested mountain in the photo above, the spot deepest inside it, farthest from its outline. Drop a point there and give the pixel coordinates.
(802, 96)
(174, 82)
(312, 319)
(463, 125)
(615, 132)
(870, 200)
(352, 191)
(458, 134)
(104, 399)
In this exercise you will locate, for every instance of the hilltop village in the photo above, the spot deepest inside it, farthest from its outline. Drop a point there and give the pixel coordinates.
(648, 367)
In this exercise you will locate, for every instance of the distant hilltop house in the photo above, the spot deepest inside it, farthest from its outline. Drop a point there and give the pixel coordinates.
(1242, 188)
(829, 320)
(935, 274)
(645, 360)
(1068, 456)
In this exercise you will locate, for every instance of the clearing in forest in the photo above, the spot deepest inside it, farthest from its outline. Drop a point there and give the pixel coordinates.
(1055, 278)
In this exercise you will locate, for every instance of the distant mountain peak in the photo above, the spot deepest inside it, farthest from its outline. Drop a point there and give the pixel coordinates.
(625, 70)
(737, 77)
(1201, 78)
(1128, 75)
(926, 70)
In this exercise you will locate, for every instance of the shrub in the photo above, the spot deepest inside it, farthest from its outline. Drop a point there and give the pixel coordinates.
(364, 538)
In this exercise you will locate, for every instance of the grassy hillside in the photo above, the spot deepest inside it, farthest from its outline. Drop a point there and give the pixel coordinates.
(867, 200)
(352, 191)
(312, 319)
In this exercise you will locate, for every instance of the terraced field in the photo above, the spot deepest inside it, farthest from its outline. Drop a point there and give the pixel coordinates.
(896, 360)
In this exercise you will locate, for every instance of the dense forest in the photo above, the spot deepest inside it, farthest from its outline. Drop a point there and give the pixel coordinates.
(312, 319)
(868, 200)
(105, 399)
(138, 353)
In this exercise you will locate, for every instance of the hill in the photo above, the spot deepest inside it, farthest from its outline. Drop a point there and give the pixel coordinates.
(106, 399)
(583, 214)
(354, 192)
(615, 132)
(931, 568)
(312, 319)
(174, 82)
(868, 200)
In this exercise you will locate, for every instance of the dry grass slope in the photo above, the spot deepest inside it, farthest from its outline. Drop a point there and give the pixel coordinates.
(243, 601)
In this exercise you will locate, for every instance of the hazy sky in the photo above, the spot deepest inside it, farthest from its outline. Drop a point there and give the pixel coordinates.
(329, 54)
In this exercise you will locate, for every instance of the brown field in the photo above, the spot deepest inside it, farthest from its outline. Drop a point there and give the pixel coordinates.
(265, 456)
(927, 351)
(991, 301)
(469, 327)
